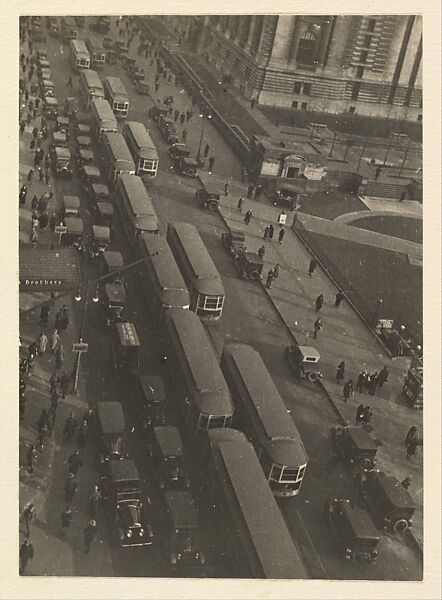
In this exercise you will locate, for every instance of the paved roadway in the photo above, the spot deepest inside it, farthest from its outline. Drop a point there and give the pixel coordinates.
(249, 317)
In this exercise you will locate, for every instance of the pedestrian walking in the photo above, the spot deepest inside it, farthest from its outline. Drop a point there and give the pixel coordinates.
(412, 433)
(340, 372)
(58, 318)
(42, 343)
(82, 434)
(240, 204)
(271, 232)
(266, 233)
(281, 234)
(276, 271)
(261, 252)
(377, 172)
(250, 189)
(182, 118)
(54, 382)
(89, 417)
(34, 203)
(69, 427)
(23, 193)
(69, 83)
(270, 278)
(90, 535)
(339, 298)
(248, 217)
(59, 356)
(47, 176)
(319, 302)
(383, 376)
(373, 384)
(252, 103)
(317, 327)
(42, 420)
(64, 383)
(26, 554)
(361, 381)
(64, 318)
(244, 174)
(53, 221)
(206, 151)
(28, 515)
(211, 163)
(176, 114)
(359, 414)
(94, 501)
(40, 173)
(66, 520)
(70, 488)
(226, 188)
(75, 463)
(33, 238)
(184, 135)
(407, 481)
(348, 390)
(31, 457)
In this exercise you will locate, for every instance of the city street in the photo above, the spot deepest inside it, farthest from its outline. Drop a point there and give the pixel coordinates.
(252, 315)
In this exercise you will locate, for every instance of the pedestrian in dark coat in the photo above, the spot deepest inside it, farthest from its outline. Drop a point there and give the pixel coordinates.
(182, 118)
(261, 252)
(30, 174)
(28, 515)
(90, 535)
(88, 417)
(248, 217)
(184, 135)
(373, 384)
(206, 150)
(258, 192)
(64, 383)
(69, 427)
(58, 318)
(412, 447)
(47, 176)
(266, 233)
(94, 500)
(348, 390)
(250, 189)
(383, 376)
(412, 433)
(59, 356)
(34, 203)
(66, 520)
(240, 204)
(312, 267)
(361, 381)
(82, 434)
(317, 327)
(340, 372)
(70, 488)
(269, 280)
(22, 126)
(211, 163)
(74, 462)
(407, 481)
(281, 234)
(26, 554)
(64, 320)
(176, 114)
(319, 302)
(339, 298)
(271, 232)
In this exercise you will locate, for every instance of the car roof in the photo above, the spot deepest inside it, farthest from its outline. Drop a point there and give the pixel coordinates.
(116, 292)
(153, 387)
(122, 470)
(237, 233)
(101, 231)
(74, 224)
(71, 201)
(252, 257)
(359, 520)
(394, 491)
(62, 152)
(113, 258)
(181, 509)
(169, 440)
(91, 170)
(211, 186)
(361, 438)
(105, 208)
(111, 417)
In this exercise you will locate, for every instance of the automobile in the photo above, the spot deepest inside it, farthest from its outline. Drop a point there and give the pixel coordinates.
(187, 166)
(42, 54)
(389, 503)
(99, 193)
(85, 157)
(234, 241)
(150, 399)
(353, 530)
(62, 125)
(125, 347)
(81, 128)
(155, 112)
(108, 43)
(114, 301)
(89, 174)
(71, 107)
(249, 265)
(105, 214)
(128, 63)
(121, 48)
(50, 107)
(61, 161)
(53, 26)
(167, 458)
(111, 57)
(74, 232)
(284, 199)
(70, 206)
(45, 74)
(137, 76)
(43, 64)
(176, 151)
(303, 360)
(59, 139)
(111, 262)
(142, 87)
(111, 431)
(48, 91)
(100, 240)
(121, 490)
(356, 447)
(181, 531)
(84, 142)
(209, 193)
(165, 123)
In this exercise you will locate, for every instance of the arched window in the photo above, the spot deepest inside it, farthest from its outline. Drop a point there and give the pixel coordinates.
(306, 48)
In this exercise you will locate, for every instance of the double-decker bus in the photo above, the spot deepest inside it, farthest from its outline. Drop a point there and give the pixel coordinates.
(162, 282)
(97, 54)
(142, 148)
(198, 269)
(117, 96)
(103, 119)
(262, 414)
(201, 392)
(118, 159)
(90, 86)
(80, 57)
(69, 29)
(254, 532)
(135, 205)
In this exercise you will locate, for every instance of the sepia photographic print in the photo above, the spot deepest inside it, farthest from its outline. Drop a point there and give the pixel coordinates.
(220, 305)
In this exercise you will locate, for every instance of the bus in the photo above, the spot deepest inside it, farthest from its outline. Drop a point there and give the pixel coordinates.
(117, 96)
(161, 279)
(135, 205)
(200, 274)
(103, 119)
(69, 29)
(97, 54)
(202, 394)
(262, 415)
(255, 534)
(142, 148)
(80, 58)
(118, 159)
(90, 86)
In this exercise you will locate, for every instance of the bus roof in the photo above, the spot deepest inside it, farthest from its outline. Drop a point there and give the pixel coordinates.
(91, 78)
(79, 47)
(146, 147)
(123, 470)
(103, 110)
(182, 509)
(140, 200)
(153, 388)
(206, 278)
(127, 334)
(252, 505)
(169, 440)
(116, 87)
(225, 434)
(117, 147)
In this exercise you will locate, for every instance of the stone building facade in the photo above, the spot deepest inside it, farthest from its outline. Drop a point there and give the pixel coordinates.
(368, 65)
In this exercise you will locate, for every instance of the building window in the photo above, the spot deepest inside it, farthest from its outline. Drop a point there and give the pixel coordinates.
(304, 106)
(367, 41)
(307, 89)
(352, 109)
(371, 24)
(295, 104)
(419, 117)
(297, 87)
(355, 90)
(306, 49)
(364, 56)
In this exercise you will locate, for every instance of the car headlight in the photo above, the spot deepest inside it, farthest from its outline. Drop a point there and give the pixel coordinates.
(141, 531)
(129, 534)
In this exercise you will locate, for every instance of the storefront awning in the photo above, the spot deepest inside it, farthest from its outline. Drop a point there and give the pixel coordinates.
(43, 270)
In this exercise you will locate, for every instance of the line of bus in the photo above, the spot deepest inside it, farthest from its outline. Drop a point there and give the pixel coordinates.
(80, 57)
(97, 54)
(256, 537)
(90, 86)
(135, 205)
(117, 96)
(262, 414)
(162, 282)
(143, 149)
(203, 281)
(202, 394)
(118, 159)
(69, 29)
(103, 119)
